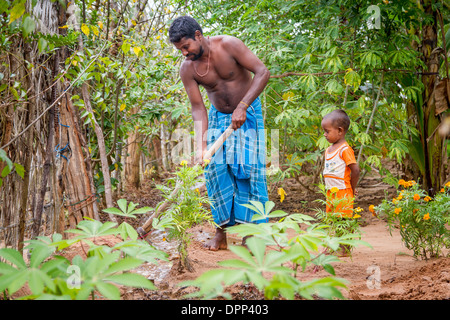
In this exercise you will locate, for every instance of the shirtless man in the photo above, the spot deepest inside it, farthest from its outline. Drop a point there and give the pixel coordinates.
(223, 65)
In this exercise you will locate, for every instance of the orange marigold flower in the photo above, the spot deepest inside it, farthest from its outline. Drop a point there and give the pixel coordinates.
(427, 198)
(415, 210)
(372, 208)
(401, 182)
(442, 190)
(400, 197)
(426, 216)
(397, 210)
(334, 190)
(447, 184)
(416, 197)
(356, 216)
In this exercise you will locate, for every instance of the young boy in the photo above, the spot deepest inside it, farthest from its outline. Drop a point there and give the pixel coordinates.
(341, 172)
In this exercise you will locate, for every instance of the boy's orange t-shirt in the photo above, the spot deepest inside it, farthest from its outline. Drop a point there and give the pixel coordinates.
(338, 174)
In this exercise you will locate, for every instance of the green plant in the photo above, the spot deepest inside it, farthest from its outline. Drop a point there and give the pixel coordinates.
(421, 219)
(342, 219)
(271, 258)
(187, 211)
(50, 275)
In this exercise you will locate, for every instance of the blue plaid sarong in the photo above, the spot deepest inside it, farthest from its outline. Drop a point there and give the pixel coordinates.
(236, 174)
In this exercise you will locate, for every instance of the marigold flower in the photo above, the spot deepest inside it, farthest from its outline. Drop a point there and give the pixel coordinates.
(401, 182)
(183, 163)
(409, 183)
(415, 210)
(334, 190)
(372, 208)
(427, 198)
(400, 197)
(397, 210)
(356, 216)
(416, 197)
(359, 209)
(442, 190)
(447, 184)
(426, 216)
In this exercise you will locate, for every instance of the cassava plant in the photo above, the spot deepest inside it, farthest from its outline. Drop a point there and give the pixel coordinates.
(50, 275)
(186, 211)
(422, 220)
(271, 258)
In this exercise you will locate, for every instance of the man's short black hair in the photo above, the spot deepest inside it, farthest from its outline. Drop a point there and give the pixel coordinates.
(183, 27)
(339, 118)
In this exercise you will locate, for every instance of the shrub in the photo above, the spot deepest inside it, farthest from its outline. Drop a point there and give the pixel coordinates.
(421, 219)
(342, 221)
(186, 211)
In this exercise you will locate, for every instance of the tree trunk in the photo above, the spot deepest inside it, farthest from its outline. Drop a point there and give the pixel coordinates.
(48, 158)
(433, 177)
(27, 150)
(74, 174)
(132, 172)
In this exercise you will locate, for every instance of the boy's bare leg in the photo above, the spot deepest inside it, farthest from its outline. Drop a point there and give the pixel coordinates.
(218, 242)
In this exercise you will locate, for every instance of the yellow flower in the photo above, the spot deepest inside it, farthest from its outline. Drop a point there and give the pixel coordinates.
(447, 184)
(334, 190)
(426, 216)
(356, 216)
(397, 210)
(183, 163)
(400, 197)
(427, 198)
(206, 161)
(359, 209)
(416, 197)
(372, 208)
(394, 201)
(282, 194)
(197, 190)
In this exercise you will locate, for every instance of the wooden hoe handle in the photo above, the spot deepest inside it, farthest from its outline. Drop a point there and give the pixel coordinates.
(142, 231)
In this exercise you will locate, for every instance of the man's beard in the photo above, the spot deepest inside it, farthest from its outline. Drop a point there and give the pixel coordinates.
(199, 55)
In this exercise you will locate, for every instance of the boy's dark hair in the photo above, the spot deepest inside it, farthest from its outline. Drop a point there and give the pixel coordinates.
(183, 27)
(339, 118)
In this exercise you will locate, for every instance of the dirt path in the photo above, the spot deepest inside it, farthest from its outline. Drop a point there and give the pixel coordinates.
(387, 271)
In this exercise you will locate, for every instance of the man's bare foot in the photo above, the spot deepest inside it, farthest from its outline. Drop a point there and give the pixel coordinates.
(219, 242)
(244, 241)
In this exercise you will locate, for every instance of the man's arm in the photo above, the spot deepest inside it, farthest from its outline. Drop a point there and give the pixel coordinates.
(247, 59)
(199, 112)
